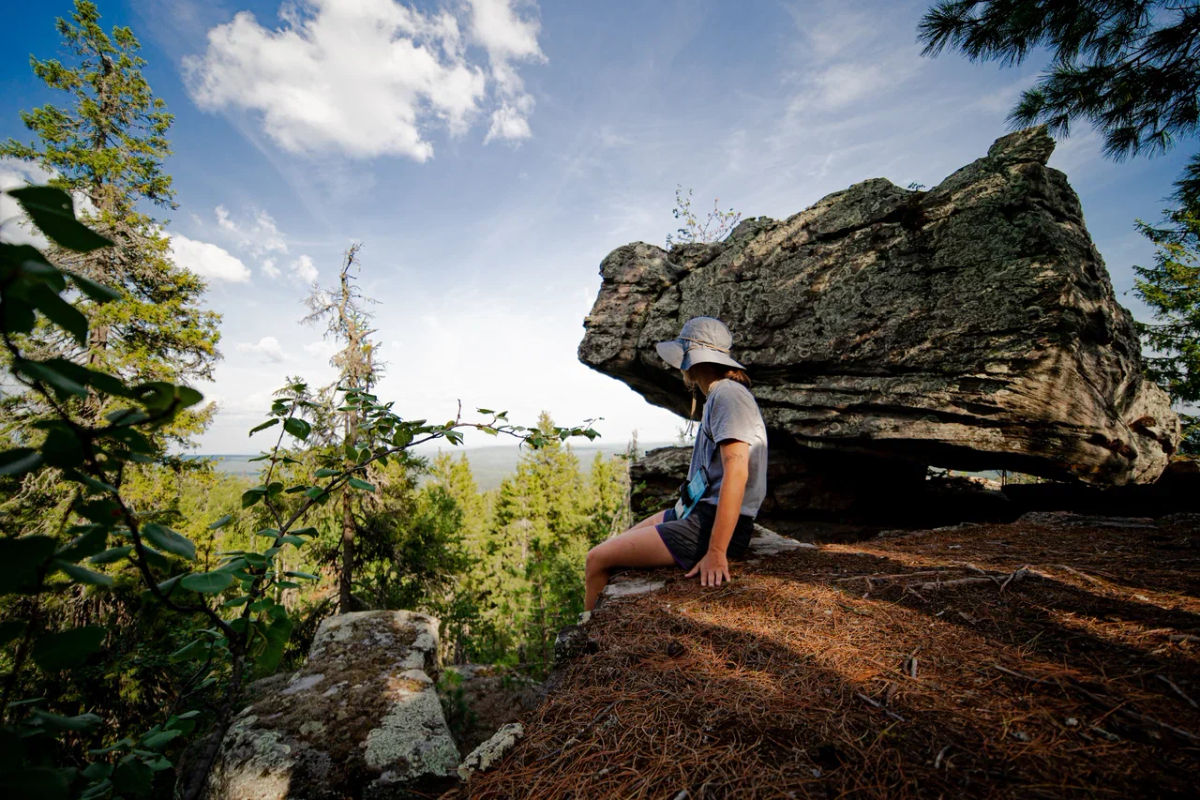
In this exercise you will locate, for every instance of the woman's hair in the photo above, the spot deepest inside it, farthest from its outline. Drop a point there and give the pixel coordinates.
(713, 372)
(716, 372)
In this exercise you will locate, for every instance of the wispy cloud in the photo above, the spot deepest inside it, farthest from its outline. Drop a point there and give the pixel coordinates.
(373, 77)
(267, 347)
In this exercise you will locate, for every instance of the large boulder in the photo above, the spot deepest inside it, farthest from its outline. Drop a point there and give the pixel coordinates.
(360, 719)
(970, 326)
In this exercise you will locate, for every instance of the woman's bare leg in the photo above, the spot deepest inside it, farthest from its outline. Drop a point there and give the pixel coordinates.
(640, 546)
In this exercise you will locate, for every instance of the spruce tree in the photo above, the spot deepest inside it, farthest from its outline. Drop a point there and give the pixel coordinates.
(106, 145)
(349, 324)
(1171, 287)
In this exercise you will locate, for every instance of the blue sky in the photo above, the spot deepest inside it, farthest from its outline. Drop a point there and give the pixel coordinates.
(489, 153)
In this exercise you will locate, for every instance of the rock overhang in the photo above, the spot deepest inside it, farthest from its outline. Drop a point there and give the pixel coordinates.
(969, 326)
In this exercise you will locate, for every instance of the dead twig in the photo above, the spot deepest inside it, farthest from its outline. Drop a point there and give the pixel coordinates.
(1177, 690)
(999, 580)
(873, 702)
(883, 577)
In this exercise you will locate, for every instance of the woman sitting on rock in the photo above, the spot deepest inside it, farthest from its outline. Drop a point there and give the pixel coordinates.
(726, 481)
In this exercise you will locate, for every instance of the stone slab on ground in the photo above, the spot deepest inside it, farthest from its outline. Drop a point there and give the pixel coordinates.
(361, 718)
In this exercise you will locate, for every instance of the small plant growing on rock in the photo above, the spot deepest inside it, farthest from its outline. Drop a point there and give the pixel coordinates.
(715, 226)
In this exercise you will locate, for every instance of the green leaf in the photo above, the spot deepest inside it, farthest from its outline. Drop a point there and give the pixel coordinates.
(108, 384)
(264, 425)
(70, 648)
(402, 438)
(156, 741)
(82, 722)
(187, 397)
(297, 427)
(53, 213)
(289, 539)
(60, 375)
(19, 316)
(62, 448)
(60, 312)
(22, 558)
(207, 582)
(252, 496)
(306, 532)
(111, 555)
(166, 539)
(156, 396)
(91, 541)
(325, 472)
(305, 575)
(83, 575)
(104, 510)
(168, 586)
(195, 649)
(89, 481)
(133, 778)
(19, 461)
(359, 483)
(95, 291)
(221, 523)
(277, 634)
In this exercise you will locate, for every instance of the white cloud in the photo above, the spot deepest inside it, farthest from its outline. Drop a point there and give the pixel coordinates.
(267, 347)
(208, 260)
(369, 77)
(269, 269)
(304, 269)
(507, 38)
(259, 235)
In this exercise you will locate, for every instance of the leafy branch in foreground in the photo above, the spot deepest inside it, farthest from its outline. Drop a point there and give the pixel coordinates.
(102, 535)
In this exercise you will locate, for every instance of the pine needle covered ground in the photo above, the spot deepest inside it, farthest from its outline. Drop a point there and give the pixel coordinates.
(1055, 656)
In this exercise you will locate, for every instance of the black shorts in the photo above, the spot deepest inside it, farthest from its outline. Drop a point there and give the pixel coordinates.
(687, 539)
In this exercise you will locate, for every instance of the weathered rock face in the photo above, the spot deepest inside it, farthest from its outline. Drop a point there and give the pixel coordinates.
(972, 326)
(360, 719)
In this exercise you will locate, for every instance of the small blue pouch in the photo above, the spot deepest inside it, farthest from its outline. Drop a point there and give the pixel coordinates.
(693, 491)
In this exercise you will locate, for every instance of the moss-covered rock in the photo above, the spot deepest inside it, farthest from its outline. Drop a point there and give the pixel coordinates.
(360, 719)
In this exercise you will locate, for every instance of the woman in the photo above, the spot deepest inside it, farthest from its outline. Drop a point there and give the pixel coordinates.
(727, 478)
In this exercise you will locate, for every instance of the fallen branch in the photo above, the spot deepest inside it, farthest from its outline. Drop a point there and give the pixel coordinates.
(873, 702)
(1177, 690)
(882, 577)
(1079, 574)
(999, 580)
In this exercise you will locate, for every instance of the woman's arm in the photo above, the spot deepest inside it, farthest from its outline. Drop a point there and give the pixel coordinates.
(735, 462)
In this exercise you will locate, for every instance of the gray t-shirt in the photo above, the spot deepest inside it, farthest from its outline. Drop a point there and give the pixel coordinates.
(730, 412)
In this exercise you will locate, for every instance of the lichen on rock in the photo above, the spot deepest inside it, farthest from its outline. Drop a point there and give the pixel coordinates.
(971, 326)
(361, 718)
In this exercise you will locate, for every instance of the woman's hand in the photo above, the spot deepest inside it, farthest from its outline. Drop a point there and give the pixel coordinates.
(712, 568)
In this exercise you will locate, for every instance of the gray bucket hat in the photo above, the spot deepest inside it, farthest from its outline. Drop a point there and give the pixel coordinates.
(703, 339)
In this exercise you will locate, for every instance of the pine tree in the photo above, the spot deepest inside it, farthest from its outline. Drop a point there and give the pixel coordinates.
(540, 529)
(1171, 287)
(107, 148)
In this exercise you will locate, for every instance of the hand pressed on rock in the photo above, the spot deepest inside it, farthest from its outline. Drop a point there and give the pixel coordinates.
(712, 568)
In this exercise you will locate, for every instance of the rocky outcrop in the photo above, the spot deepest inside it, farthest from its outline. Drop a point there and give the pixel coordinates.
(970, 326)
(360, 719)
